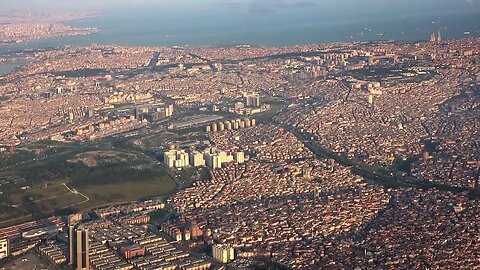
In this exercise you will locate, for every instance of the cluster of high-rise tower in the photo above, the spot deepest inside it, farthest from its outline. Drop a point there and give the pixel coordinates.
(211, 157)
(437, 37)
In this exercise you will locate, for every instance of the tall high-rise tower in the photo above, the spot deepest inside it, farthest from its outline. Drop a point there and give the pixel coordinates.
(370, 99)
(79, 247)
(253, 100)
(439, 36)
(223, 253)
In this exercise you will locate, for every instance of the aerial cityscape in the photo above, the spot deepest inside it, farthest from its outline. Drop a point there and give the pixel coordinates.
(357, 151)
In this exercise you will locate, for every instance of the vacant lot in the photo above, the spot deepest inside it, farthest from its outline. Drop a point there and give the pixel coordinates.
(29, 261)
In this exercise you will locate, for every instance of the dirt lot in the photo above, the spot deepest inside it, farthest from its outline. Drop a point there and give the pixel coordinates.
(29, 261)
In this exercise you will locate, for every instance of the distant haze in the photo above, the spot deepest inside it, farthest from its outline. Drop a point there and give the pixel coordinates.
(263, 22)
(337, 6)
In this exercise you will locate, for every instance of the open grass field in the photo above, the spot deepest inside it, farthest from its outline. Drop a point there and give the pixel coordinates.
(50, 205)
(41, 200)
(9, 213)
(26, 204)
(76, 178)
(37, 193)
(126, 191)
(56, 198)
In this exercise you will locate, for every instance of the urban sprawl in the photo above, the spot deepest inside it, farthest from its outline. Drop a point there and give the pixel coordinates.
(334, 156)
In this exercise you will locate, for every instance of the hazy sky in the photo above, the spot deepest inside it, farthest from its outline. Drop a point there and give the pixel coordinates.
(246, 5)
(270, 12)
(262, 21)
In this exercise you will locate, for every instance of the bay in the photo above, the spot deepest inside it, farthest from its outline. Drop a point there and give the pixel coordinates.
(297, 25)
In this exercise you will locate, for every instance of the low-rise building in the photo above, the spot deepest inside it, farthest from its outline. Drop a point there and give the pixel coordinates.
(4, 248)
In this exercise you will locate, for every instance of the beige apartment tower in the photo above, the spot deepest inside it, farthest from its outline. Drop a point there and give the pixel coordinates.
(79, 247)
(223, 253)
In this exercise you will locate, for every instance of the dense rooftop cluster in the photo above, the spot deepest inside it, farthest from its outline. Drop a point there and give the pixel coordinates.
(393, 126)
(452, 156)
(272, 206)
(268, 142)
(419, 230)
(412, 107)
